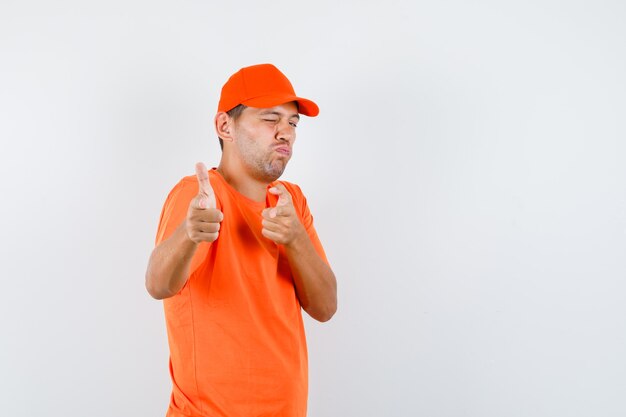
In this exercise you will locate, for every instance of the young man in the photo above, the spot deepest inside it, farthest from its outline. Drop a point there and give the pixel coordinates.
(236, 260)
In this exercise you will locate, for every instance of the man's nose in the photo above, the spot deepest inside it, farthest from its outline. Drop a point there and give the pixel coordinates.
(285, 131)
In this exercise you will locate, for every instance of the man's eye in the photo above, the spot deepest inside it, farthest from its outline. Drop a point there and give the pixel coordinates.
(293, 124)
(271, 120)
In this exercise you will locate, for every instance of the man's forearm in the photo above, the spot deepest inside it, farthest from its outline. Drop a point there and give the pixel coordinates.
(169, 264)
(315, 281)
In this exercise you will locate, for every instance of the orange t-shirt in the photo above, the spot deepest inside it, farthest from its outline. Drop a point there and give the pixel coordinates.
(235, 330)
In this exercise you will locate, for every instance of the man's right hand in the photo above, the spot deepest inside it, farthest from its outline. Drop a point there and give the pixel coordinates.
(203, 217)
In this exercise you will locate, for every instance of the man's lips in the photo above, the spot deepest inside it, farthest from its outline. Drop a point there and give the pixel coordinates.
(283, 150)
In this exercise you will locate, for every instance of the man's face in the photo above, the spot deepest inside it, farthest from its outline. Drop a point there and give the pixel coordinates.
(264, 139)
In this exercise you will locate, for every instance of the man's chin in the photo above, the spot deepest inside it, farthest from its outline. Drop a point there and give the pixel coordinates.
(275, 175)
(274, 171)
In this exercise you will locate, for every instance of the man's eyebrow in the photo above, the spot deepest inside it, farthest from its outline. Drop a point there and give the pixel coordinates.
(274, 112)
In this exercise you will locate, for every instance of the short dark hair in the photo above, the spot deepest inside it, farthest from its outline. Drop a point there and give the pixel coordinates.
(234, 114)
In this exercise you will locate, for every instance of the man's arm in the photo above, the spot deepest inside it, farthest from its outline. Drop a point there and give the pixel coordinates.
(169, 263)
(168, 268)
(315, 282)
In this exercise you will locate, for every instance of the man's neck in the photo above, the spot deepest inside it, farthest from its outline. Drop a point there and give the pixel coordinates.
(237, 178)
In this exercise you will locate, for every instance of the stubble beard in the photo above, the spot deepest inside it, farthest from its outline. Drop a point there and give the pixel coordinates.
(263, 166)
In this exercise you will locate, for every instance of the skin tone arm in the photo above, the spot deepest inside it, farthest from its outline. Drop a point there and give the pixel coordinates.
(315, 282)
(169, 263)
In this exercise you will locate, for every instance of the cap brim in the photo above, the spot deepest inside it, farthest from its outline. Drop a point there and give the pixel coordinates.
(305, 106)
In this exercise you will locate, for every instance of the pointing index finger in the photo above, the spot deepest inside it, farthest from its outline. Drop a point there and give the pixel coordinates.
(204, 186)
(205, 191)
(284, 197)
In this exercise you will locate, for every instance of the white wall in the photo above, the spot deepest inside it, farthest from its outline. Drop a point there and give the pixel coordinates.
(466, 174)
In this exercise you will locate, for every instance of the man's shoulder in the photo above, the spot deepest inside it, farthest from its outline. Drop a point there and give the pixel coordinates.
(188, 184)
(189, 179)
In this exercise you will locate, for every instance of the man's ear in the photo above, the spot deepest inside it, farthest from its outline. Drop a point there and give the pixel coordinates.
(223, 126)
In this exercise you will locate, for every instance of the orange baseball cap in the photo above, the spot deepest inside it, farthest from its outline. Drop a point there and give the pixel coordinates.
(262, 86)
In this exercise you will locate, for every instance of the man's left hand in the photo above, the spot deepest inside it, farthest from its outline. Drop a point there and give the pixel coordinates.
(281, 223)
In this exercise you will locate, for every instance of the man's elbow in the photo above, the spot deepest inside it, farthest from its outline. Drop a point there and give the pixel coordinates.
(158, 292)
(323, 314)
(325, 318)
(155, 293)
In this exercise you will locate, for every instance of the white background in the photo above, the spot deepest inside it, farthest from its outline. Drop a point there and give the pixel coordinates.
(466, 174)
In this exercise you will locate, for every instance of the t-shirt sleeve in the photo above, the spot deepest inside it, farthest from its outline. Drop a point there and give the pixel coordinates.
(300, 203)
(175, 209)
(174, 213)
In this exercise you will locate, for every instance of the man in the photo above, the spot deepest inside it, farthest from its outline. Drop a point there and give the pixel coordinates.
(236, 260)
